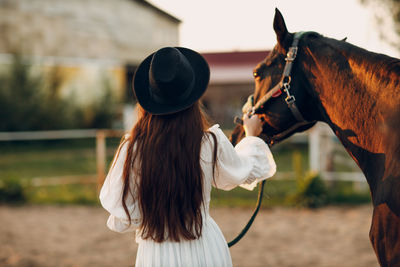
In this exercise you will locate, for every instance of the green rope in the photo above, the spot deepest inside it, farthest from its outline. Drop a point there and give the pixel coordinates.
(250, 222)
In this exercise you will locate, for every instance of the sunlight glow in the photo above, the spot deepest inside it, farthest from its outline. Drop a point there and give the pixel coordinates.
(228, 25)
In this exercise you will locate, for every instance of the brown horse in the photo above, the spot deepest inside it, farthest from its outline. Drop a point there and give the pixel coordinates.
(356, 93)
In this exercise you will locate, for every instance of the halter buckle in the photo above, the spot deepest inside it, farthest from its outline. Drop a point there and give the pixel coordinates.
(291, 54)
(286, 87)
(290, 99)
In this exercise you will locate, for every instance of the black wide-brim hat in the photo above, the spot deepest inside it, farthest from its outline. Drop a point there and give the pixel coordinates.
(170, 80)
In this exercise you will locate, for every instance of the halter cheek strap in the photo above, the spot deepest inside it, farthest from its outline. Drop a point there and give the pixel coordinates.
(284, 85)
(286, 78)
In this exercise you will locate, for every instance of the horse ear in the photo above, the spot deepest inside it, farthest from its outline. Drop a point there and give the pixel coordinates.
(280, 28)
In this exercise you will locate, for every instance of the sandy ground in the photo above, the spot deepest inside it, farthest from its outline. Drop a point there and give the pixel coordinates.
(77, 236)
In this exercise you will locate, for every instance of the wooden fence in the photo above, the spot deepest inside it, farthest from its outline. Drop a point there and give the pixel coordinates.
(99, 134)
(325, 150)
(320, 139)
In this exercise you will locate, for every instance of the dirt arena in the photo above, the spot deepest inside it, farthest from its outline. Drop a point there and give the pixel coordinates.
(77, 236)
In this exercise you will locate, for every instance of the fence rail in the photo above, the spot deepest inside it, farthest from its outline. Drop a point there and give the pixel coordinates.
(99, 134)
(57, 134)
(313, 138)
(62, 180)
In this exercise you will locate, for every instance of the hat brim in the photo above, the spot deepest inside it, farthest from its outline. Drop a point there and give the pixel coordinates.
(141, 86)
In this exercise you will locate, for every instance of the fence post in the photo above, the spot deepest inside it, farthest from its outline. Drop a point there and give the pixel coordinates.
(313, 146)
(100, 157)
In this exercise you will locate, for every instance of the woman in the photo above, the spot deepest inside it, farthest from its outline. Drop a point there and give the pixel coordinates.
(160, 181)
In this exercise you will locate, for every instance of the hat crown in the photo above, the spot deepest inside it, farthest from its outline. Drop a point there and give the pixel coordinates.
(170, 76)
(170, 80)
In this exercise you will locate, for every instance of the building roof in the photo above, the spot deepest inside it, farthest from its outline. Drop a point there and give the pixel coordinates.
(160, 11)
(233, 67)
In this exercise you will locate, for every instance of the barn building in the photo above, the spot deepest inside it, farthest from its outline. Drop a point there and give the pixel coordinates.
(93, 42)
(89, 41)
(231, 82)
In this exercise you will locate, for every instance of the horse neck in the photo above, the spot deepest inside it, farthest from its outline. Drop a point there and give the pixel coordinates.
(354, 93)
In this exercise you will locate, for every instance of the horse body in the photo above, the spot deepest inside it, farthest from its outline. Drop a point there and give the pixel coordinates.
(356, 95)
(353, 100)
(355, 92)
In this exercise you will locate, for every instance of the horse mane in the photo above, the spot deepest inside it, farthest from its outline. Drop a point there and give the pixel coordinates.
(378, 68)
(376, 76)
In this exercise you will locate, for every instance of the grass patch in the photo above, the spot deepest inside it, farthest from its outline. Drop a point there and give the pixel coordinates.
(281, 192)
(78, 157)
(25, 160)
(275, 192)
(51, 158)
(343, 193)
(63, 194)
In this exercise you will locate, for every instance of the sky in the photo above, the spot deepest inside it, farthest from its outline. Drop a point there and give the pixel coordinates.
(242, 25)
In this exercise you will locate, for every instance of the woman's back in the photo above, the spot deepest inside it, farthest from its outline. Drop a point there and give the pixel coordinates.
(169, 177)
(161, 177)
(246, 164)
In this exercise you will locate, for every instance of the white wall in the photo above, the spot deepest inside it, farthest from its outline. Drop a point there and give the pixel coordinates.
(124, 30)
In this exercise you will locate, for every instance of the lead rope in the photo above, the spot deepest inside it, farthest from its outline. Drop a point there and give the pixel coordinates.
(260, 189)
(251, 108)
(250, 222)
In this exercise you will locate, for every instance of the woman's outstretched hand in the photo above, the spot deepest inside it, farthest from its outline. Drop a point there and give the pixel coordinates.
(252, 126)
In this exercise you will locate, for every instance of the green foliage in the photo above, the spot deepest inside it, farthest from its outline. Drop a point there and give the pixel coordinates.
(11, 190)
(20, 98)
(33, 102)
(298, 168)
(311, 190)
(63, 194)
(343, 193)
(104, 110)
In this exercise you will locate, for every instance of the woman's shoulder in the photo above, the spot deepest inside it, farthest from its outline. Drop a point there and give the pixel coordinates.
(218, 133)
(215, 134)
(124, 144)
(215, 130)
(212, 134)
(126, 137)
(125, 141)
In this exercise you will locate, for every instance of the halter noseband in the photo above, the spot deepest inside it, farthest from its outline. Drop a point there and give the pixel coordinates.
(250, 108)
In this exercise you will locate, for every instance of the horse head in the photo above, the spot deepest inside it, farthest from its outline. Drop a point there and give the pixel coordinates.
(279, 120)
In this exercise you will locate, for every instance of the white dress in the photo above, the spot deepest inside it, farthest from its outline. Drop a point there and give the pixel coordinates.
(249, 162)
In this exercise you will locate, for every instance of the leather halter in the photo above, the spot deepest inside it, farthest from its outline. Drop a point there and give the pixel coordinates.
(250, 108)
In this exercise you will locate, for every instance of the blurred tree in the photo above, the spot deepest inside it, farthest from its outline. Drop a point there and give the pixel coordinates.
(34, 102)
(387, 14)
(19, 98)
(104, 109)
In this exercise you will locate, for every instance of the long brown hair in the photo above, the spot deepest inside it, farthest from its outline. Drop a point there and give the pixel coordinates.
(165, 152)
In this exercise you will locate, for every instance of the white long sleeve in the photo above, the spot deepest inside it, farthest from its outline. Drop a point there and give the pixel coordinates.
(246, 164)
(111, 196)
